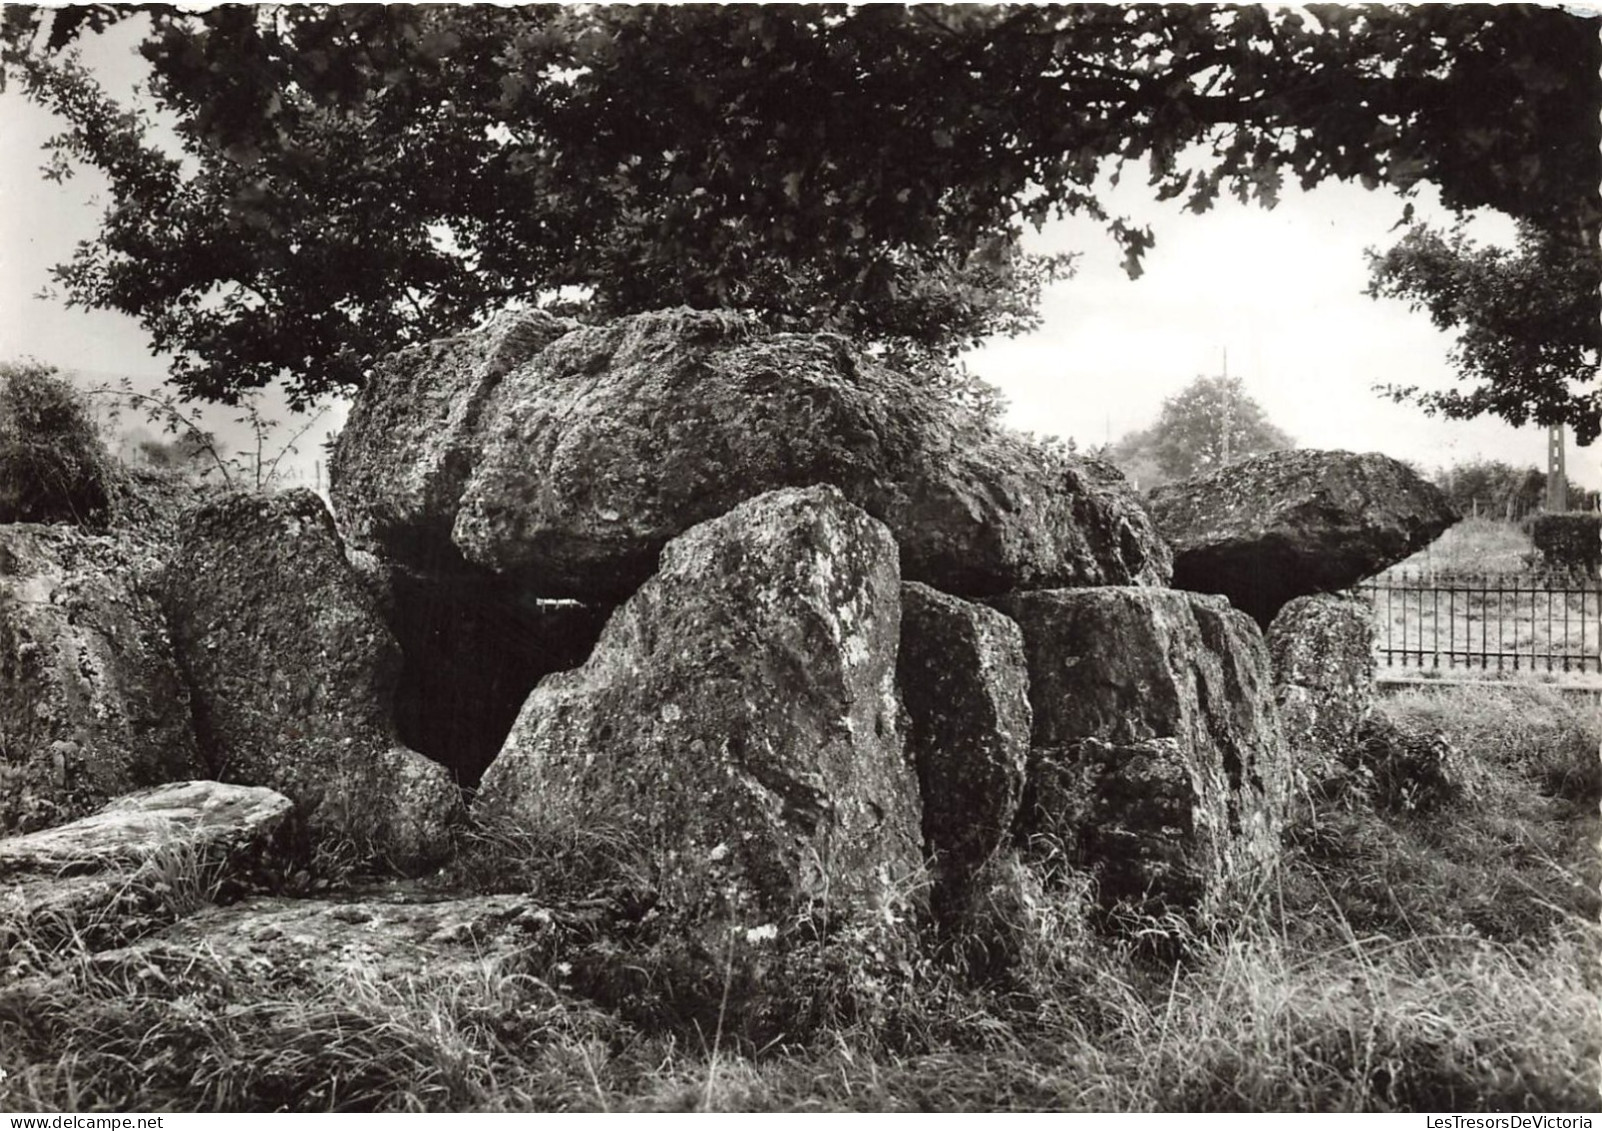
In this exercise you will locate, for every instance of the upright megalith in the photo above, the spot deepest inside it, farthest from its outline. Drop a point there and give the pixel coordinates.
(965, 688)
(1156, 757)
(1322, 651)
(611, 440)
(91, 702)
(738, 721)
(1289, 524)
(293, 675)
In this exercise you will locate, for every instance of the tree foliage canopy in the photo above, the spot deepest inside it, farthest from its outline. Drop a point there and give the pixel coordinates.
(350, 179)
(1528, 324)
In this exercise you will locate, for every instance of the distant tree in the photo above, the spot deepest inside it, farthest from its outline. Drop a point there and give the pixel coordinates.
(1495, 489)
(182, 451)
(1132, 454)
(1211, 423)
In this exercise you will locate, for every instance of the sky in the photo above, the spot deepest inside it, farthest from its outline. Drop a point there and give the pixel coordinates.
(1277, 295)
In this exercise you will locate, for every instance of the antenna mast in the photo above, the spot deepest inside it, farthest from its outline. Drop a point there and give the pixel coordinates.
(1229, 409)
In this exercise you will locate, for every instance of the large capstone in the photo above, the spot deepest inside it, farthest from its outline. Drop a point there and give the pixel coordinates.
(966, 691)
(1293, 523)
(404, 456)
(737, 721)
(91, 703)
(1322, 651)
(1156, 759)
(610, 441)
(294, 673)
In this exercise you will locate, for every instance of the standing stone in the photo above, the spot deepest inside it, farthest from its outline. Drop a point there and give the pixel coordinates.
(91, 703)
(1289, 524)
(966, 691)
(1322, 651)
(1156, 755)
(294, 675)
(738, 721)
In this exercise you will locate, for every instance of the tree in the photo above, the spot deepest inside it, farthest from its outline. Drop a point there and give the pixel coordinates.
(351, 179)
(1212, 422)
(1528, 323)
(1495, 489)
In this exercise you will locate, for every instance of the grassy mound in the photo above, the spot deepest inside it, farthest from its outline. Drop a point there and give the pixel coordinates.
(53, 465)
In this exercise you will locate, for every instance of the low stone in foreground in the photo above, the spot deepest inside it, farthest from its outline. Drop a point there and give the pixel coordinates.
(141, 861)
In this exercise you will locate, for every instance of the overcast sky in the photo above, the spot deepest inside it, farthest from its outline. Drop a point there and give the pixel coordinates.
(1280, 290)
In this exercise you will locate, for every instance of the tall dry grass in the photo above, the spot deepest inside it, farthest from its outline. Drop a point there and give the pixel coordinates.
(1396, 961)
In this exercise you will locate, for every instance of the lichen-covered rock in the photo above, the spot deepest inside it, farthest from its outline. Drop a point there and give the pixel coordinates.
(614, 439)
(141, 861)
(294, 673)
(966, 691)
(404, 456)
(1322, 652)
(308, 944)
(1156, 755)
(738, 722)
(1289, 524)
(91, 703)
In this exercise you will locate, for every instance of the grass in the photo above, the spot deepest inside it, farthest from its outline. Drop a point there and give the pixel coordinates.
(1397, 961)
(1472, 546)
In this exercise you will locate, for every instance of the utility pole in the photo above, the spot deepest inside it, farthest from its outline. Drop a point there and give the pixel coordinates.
(1557, 479)
(1229, 409)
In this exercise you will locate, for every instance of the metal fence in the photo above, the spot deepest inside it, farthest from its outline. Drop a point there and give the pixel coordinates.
(1505, 623)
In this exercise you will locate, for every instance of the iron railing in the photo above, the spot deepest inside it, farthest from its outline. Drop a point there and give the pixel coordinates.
(1502, 622)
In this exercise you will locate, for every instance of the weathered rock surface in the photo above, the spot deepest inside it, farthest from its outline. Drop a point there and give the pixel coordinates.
(1156, 756)
(612, 440)
(1322, 652)
(965, 687)
(1293, 523)
(404, 456)
(294, 675)
(141, 861)
(738, 722)
(311, 943)
(91, 703)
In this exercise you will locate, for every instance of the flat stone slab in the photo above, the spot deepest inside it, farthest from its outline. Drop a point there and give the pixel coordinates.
(140, 861)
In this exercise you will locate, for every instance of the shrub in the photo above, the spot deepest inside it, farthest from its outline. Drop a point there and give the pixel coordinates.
(53, 466)
(1569, 542)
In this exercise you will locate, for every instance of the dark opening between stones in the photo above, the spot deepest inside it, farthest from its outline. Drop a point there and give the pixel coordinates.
(474, 648)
